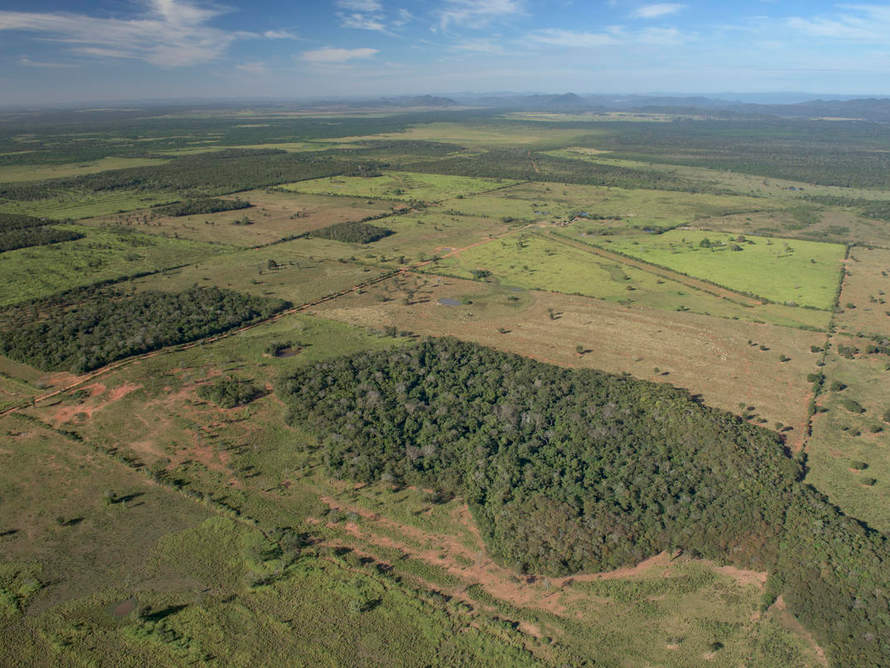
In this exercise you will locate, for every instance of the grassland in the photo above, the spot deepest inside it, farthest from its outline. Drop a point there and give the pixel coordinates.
(865, 293)
(274, 216)
(101, 255)
(400, 186)
(12, 174)
(484, 136)
(77, 205)
(532, 261)
(799, 272)
(847, 453)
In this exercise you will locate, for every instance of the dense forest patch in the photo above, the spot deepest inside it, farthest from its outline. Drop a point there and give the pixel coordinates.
(569, 471)
(353, 232)
(202, 205)
(109, 326)
(230, 392)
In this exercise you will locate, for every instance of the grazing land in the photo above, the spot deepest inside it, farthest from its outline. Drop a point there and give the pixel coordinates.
(784, 271)
(451, 387)
(405, 186)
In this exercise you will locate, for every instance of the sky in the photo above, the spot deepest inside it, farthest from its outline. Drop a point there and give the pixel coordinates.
(58, 51)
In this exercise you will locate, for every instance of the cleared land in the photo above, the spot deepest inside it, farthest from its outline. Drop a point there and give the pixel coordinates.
(39, 271)
(719, 359)
(400, 186)
(13, 174)
(274, 216)
(531, 261)
(864, 299)
(849, 452)
(785, 271)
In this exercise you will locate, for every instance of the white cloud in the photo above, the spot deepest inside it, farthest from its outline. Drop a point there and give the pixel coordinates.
(859, 23)
(612, 36)
(479, 46)
(170, 33)
(403, 17)
(252, 68)
(27, 62)
(332, 55)
(362, 22)
(365, 6)
(279, 34)
(571, 39)
(658, 9)
(477, 13)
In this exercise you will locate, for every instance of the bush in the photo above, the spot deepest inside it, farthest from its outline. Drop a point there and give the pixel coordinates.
(838, 386)
(230, 392)
(853, 406)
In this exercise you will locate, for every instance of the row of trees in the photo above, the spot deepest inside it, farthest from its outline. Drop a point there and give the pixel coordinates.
(21, 231)
(569, 471)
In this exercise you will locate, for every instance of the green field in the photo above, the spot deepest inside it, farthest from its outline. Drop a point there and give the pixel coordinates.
(405, 186)
(79, 205)
(781, 270)
(530, 261)
(39, 271)
(42, 172)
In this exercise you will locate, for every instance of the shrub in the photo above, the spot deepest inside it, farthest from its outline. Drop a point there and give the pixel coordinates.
(853, 406)
(230, 392)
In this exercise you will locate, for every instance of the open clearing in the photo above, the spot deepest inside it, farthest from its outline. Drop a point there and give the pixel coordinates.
(530, 261)
(13, 174)
(274, 216)
(849, 452)
(864, 299)
(39, 271)
(404, 186)
(782, 270)
(709, 356)
(77, 205)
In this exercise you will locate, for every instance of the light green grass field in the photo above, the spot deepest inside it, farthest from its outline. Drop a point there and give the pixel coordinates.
(17, 173)
(785, 271)
(399, 186)
(101, 255)
(530, 261)
(78, 205)
(622, 208)
(298, 276)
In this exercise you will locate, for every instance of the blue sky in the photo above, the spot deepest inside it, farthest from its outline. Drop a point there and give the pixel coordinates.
(53, 51)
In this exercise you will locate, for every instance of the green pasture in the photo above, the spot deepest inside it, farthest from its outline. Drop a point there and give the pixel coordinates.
(530, 261)
(79, 204)
(405, 186)
(18, 173)
(781, 270)
(486, 135)
(288, 271)
(39, 271)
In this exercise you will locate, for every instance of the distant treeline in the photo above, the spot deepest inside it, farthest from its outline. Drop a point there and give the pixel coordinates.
(198, 176)
(20, 231)
(524, 166)
(569, 471)
(108, 325)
